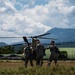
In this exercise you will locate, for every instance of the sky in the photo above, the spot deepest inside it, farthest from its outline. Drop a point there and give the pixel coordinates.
(34, 17)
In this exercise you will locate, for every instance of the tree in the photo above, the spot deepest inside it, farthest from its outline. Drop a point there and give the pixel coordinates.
(7, 50)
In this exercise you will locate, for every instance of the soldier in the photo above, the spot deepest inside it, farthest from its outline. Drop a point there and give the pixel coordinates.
(28, 55)
(54, 53)
(40, 51)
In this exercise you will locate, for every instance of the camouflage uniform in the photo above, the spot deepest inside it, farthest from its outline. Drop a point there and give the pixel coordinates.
(28, 55)
(54, 54)
(40, 51)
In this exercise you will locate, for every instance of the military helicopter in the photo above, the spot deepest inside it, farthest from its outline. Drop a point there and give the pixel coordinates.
(34, 38)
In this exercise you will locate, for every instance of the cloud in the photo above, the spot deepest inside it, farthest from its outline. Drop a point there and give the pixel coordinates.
(7, 6)
(27, 17)
(72, 2)
(2, 9)
(22, 25)
(71, 17)
(17, 21)
(54, 14)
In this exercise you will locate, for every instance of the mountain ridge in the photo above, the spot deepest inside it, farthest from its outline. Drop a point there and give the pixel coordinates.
(3, 44)
(63, 35)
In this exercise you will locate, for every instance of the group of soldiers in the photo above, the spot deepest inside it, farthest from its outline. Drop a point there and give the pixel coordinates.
(39, 53)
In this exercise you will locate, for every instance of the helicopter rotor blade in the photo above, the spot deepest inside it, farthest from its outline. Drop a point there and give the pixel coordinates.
(27, 37)
(43, 34)
(17, 44)
(47, 38)
(11, 37)
(39, 35)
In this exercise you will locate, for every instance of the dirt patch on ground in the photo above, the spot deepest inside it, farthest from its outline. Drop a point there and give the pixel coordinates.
(16, 64)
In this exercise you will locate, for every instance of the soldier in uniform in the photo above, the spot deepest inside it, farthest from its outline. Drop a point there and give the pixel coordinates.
(40, 51)
(28, 55)
(54, 53)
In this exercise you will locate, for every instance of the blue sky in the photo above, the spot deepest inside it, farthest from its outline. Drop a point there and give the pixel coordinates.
(33, 17)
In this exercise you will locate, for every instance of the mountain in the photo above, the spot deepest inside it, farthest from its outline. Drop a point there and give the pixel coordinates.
(63, 35)
(2, 44)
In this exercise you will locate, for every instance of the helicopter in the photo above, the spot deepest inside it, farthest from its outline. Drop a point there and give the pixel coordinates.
(34, 39)
(26, 42)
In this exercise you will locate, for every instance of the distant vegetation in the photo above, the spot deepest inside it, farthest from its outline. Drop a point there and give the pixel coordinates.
(10, 50)
(66, 44)
(7, 50)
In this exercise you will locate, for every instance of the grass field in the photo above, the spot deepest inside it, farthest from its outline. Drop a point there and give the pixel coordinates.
(14, 67)
(70, 52)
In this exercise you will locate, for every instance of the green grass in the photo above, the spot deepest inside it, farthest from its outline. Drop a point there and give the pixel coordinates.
(70, 52)
(56, 70)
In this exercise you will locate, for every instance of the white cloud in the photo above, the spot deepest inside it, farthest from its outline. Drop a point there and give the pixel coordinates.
(52, 14)
(10, 6)
(7, 6)
(18, 18)
(2, 9)
(25, 25)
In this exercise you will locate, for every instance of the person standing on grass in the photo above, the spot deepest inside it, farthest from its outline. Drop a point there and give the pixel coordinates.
(28, 51)
(54, 53)
(40, 51)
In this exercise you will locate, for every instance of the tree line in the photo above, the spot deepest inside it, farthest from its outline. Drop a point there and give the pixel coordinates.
(9, 50)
